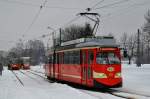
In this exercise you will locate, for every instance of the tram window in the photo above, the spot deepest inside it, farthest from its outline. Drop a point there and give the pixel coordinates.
(60, 58)
(72, 57)
(76, 57)
(65, 58)
(107, 58)
(90, 57)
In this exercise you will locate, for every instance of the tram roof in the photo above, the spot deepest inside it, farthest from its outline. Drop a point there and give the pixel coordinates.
(90, 42)
(103, 42)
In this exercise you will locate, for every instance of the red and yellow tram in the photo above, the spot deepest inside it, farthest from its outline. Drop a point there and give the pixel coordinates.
(15, 64)
(25, 63)
(93, 62)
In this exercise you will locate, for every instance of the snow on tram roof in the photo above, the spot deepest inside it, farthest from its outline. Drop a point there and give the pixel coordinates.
(94, 41)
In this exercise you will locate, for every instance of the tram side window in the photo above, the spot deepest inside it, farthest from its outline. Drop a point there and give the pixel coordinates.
(76, 57)
(72, 57)
(60, 58)
(66, 58)
(56, 58)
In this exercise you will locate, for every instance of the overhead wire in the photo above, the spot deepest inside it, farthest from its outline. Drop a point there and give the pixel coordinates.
(97, 4)
(74, 19)
(20, 3)
(36, 16)
(77, 17)
(92, 8)
(112, 4)
(129, 7)
(37, 5)
(126, 9)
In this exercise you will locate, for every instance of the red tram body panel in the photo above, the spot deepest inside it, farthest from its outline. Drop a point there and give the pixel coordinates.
(96, 66)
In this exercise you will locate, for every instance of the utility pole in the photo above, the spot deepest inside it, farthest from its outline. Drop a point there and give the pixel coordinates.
(60, 36)
(138, 60)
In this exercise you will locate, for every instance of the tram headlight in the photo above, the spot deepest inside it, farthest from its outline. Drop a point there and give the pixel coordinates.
(118, 75)
(99, 75)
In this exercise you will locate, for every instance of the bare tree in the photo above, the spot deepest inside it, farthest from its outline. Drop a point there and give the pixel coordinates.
(146, 38)
(123, 40)
(131, 45)
(75, 31)
(35, 49)
(128, 43)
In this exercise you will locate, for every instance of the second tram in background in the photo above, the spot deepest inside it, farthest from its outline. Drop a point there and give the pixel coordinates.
(19, 63)
(93, 62)
(14, 64)
(25, 62)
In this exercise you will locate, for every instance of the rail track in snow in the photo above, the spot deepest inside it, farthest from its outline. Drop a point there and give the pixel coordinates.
(29, 76)
(37, 74)
(20, 81)
(115, 93)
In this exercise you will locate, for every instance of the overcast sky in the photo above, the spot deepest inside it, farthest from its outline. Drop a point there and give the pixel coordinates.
(16, 17)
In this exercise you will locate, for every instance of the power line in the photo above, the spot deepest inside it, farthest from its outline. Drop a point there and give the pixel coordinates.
(20, 3)
(36, 16)
(97, 4)
(89, 9)
(36, 5)
(112, 4)
(126, 9)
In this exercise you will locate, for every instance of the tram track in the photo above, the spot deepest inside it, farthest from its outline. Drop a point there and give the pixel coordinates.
(30, 76)
(130, 92)
(33, 72)
(20, 81)
(100, 94)
(97, 95)
(122, 96)
(116, 93)
(37, 71)
(93, 95)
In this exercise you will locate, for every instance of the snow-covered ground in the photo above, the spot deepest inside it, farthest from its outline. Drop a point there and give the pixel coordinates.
(135, 79)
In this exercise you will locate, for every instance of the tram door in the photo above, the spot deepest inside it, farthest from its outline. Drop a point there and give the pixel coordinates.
(87, 67)
(60, 61)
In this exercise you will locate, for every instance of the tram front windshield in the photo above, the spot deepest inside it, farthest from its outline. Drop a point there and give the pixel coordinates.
(107, 58)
